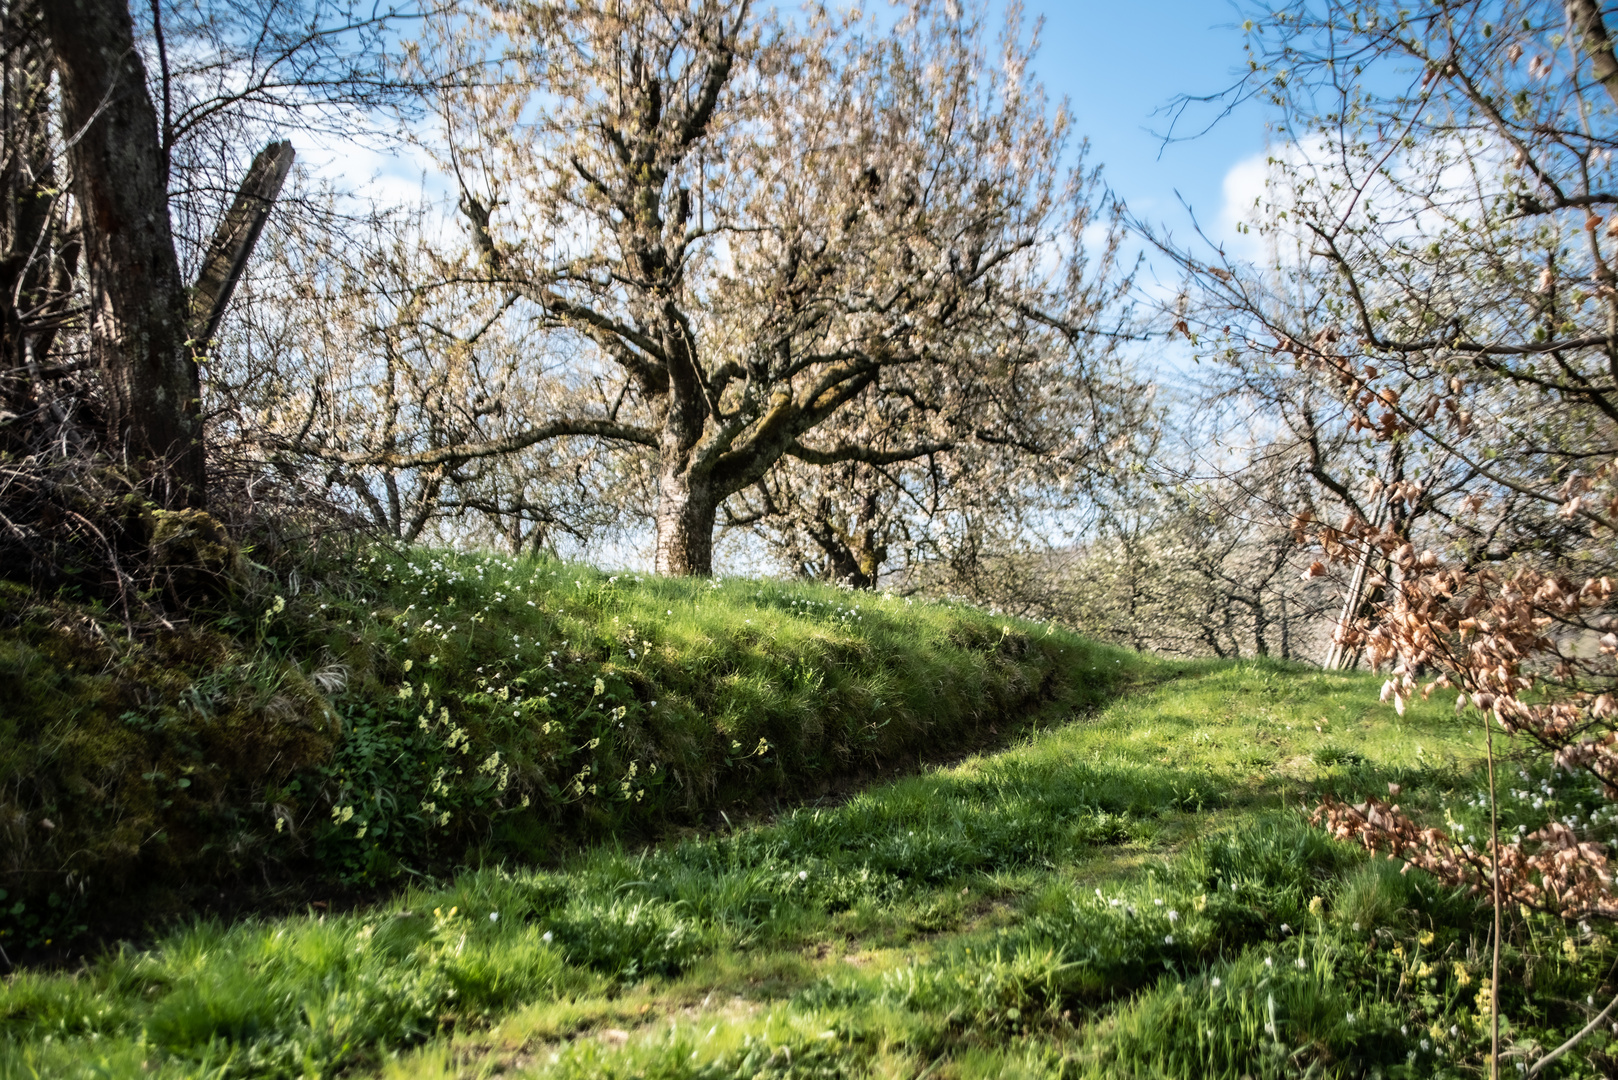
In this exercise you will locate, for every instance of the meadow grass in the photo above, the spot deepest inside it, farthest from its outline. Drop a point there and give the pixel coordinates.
(388, 713)
(1129, 892)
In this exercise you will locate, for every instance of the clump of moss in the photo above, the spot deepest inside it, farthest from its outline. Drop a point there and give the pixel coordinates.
(193, 550)
(128, 765)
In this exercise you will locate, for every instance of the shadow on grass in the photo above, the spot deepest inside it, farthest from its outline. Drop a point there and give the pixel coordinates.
(1200, 960)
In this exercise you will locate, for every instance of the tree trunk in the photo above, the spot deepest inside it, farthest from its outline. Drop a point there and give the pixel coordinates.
(852, 560)
(31, 226)
(138, 304)
(234, 239)
(686, 513)
(1286, 631)
(1592, 29)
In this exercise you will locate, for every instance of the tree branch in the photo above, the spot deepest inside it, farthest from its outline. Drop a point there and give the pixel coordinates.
(459, 453)
(234, 239)
(850, 452)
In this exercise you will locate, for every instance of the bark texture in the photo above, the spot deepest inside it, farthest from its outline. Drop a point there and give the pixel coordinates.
(686, 509)
(139, 308)
(854, 550)
(33, 272)
(1592, 30)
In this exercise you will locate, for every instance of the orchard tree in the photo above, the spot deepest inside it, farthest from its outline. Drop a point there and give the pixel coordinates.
(752, 230)
(1021, 454)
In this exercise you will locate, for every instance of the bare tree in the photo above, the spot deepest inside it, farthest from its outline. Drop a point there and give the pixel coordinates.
(127, 139)
(1183, 559)
(139, 307)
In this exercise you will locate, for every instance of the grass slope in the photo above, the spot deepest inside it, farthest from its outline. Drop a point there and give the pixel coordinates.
(379, 714)
(1132, 894)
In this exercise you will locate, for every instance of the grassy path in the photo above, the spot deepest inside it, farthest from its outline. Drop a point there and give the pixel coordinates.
(1135, 893)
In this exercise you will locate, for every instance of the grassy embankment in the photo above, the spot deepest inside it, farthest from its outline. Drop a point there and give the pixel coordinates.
(368, 716)
(1133, 893)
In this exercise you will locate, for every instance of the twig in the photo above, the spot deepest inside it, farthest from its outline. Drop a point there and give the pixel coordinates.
(1494, 860)
(1575, 1040)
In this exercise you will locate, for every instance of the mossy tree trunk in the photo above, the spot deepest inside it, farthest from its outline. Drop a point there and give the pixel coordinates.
(139, 306)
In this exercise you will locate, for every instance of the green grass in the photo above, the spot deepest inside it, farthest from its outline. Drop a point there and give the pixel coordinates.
(1130, 893)
(373, 715)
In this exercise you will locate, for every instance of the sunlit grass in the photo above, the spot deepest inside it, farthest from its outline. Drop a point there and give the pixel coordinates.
(382, 714)
(1129, 893)
(618, 702)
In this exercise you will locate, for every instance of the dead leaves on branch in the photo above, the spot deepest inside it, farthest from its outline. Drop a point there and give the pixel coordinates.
(1551, 869)
(1533, 650)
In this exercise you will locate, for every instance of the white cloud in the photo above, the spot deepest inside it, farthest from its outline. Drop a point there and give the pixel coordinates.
(1095, 236)
(1244, 190)
(1254, 189)
(1416, 193)
(400, 175)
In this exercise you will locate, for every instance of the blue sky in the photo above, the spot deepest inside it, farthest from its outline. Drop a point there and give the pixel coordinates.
(1118, 64)
(1120, 67)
